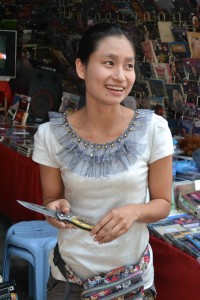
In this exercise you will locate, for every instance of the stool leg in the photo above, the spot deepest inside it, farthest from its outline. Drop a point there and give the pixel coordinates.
(6, 272)
(23, 254)
(6, 267)
(48, 246)
(30, 280)
(38, 277)
(32, 241)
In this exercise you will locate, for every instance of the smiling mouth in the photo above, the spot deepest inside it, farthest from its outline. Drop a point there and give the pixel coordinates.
(115, 88)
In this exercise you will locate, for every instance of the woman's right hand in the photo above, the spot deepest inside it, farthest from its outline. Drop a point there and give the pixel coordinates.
(62, 205)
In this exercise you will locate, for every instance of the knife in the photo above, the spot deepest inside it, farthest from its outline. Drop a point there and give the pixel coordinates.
(75, 220)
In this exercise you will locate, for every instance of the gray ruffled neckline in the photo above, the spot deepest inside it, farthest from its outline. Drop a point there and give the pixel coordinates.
(99, 160)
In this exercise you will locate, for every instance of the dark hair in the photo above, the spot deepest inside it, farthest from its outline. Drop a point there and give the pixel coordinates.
(94, 34)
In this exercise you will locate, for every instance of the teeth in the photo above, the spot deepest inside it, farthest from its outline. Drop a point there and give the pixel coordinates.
(116, 88)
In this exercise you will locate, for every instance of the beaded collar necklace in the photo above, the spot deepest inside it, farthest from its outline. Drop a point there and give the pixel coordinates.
(130, 128)
(96, 160)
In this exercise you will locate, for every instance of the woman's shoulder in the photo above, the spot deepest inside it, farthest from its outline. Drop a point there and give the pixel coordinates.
(158, 119)
(147, 114)
(46, 130)
(43, 129)
(49, 134)
(148, 119)
(44, 126)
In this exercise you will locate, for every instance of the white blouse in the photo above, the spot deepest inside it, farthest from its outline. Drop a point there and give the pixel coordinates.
(98, 178)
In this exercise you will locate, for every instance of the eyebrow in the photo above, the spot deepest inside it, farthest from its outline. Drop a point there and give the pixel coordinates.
(113, 56)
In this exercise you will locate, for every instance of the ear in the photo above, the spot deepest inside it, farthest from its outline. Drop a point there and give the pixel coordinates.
(80, 68)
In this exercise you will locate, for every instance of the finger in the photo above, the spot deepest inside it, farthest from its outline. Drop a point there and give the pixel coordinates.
(112, 235)
(61, 205)
(100, 225)
(64, 207)
(105, 231)
(60, 224)
(55, 222)
(111, 231)
(70, 226)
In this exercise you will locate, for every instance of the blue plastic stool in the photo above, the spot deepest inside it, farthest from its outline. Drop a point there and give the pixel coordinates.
(32, 241)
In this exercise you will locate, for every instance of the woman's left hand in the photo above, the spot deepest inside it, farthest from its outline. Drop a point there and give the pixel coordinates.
(115, 223)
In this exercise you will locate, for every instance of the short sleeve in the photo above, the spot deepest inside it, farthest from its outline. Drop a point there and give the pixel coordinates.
(45, 147)
(162, 141)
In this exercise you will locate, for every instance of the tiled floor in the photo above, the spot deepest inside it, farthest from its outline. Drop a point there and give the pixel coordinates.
(19, 267)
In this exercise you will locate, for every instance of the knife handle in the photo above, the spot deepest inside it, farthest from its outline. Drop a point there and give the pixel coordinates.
(79, 222)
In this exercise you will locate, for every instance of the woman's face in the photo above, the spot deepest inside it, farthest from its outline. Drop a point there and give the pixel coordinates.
(176, 95)
(173, 67)
(196, 44)
(193, 70)
(109, 74)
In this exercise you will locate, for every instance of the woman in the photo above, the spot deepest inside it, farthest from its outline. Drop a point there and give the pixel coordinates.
(174, 74)
(177, 101)
(98, 163)
(193, 74)
(195, 47)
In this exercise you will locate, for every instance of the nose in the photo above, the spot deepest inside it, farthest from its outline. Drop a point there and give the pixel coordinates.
(119, 74)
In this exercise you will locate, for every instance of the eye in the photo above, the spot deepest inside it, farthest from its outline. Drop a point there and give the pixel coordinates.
(130, 66)
(109, 63)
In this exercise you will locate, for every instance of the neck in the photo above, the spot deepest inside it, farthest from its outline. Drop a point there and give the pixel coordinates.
(104, 126)
(102, 119)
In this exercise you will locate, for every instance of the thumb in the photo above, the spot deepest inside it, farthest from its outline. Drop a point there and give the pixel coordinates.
(64, 206)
